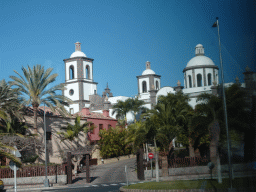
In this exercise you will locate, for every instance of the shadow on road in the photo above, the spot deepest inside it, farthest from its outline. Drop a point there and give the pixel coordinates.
(78, 179)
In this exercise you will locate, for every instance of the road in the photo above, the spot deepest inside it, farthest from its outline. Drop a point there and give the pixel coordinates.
(106, 177)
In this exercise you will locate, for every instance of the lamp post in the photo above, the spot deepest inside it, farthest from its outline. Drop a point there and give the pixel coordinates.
(216, 24)
(46, 182)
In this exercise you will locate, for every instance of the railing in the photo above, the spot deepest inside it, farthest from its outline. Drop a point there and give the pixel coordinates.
(33, 171)
(188, 162)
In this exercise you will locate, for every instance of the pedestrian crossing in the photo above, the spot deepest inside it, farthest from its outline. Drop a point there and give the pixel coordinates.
(114, 184)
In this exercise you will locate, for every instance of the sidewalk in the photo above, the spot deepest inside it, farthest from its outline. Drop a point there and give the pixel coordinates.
(40, 187)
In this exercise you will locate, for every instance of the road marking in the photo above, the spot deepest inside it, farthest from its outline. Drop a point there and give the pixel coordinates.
(105, 185)
(114, 184)
(95, 185)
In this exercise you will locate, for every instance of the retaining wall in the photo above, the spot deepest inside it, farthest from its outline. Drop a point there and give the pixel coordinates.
(198, 170)
(59, 179)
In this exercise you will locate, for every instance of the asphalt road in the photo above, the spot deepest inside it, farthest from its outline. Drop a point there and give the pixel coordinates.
(110, 173)
(105, 177)
(95, 188)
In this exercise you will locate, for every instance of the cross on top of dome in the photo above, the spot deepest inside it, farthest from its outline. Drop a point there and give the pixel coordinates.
(78, 46)
(78, 52)
(147, 65)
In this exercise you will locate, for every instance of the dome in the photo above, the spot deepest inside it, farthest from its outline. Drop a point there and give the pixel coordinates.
(199, 45)
(77, 54)
(148, 72)
(200, 60)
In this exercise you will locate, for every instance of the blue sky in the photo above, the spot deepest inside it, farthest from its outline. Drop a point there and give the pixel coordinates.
(121, 35)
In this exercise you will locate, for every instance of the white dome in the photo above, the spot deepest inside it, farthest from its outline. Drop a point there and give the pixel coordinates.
(148, 72)
(199, 45)
(77, 54)
(200, 60)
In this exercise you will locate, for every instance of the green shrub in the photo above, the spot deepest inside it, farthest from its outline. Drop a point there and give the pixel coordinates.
(29, 159)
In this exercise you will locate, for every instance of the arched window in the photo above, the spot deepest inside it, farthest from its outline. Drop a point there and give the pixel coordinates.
(189, 81)
(87, 72)
(144, 87)
(209, 77)
(71, 72)
(157, 86)
(199, 80)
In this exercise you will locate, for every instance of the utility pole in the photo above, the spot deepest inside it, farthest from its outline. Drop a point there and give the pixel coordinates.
(216, 24)
(46, 182)
(157, 167)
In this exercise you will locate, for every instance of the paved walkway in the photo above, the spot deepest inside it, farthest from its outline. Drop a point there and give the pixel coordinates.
(114, 173)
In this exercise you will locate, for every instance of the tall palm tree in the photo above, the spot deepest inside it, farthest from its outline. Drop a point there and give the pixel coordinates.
(33, 86)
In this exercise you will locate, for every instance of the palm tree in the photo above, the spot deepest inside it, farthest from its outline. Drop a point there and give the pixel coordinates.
(9, 116)
(171, 116)
(33, 86)
(121, 108)
(137, 106)
(137, 134)
(72, 134)
(10, 102)
(210, 110)
(3, 151)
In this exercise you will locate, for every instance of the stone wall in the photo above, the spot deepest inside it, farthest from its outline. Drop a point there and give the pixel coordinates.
(59, 179)
(198, 170)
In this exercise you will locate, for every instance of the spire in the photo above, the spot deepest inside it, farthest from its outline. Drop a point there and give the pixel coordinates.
(147, 65)
(179, 83)
(247, 69)
(78, 46)
(107, 85)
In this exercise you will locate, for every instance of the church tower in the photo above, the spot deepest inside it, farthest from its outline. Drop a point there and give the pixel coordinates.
(148, 85)
(79, 79)
(200, 75)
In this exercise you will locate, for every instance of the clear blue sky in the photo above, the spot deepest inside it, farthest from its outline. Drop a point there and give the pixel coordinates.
(121, 35)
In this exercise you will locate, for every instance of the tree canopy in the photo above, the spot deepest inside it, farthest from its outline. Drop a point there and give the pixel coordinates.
(33, 85)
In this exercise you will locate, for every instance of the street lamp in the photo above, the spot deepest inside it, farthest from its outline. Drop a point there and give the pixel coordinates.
(46, 181)
(216, 24)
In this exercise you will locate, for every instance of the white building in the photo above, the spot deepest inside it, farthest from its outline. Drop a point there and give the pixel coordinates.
(200, 74)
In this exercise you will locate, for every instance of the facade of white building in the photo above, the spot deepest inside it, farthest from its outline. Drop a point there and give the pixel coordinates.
(200, 74)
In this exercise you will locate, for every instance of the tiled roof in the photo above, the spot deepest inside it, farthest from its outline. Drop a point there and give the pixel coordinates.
(93, 115)
(48, 112)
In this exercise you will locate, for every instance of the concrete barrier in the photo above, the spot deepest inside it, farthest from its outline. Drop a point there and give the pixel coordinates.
(59, 179)
(197, 170)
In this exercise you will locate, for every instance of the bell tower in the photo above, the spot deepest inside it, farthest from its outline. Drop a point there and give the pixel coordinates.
(148, 85)
(79, 79)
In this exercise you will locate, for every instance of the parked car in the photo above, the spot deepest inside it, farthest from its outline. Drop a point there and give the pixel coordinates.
(1, 185)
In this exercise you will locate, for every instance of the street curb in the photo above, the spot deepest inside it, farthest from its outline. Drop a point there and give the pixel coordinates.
(167, 190)
(186, 190)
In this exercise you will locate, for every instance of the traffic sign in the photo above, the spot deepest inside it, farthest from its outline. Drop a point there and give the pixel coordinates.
(16, 152)
(150, 155)
(12, 165)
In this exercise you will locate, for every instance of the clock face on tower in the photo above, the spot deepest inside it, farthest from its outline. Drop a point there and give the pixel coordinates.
(71, 92)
